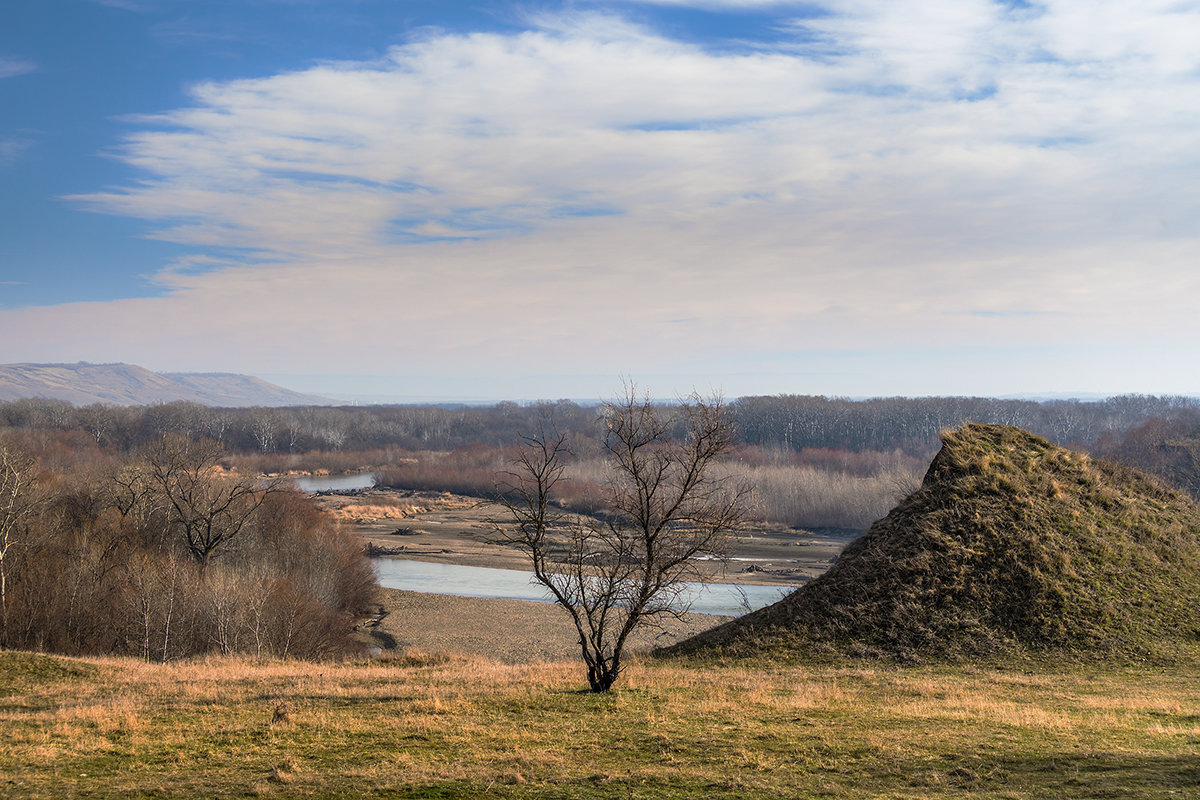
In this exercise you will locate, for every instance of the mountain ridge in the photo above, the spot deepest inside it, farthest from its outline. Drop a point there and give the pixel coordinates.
(84, 383)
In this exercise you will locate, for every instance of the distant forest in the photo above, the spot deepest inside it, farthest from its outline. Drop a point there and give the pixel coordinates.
(1158, 433)
(791, 422)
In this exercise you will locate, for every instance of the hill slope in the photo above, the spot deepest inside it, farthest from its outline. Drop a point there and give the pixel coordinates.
(1011, 545)
(126, 384)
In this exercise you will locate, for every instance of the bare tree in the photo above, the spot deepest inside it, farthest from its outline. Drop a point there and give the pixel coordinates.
(97, 419)
(207, 506)
(667, 505)
(263, 427)
(18, 502)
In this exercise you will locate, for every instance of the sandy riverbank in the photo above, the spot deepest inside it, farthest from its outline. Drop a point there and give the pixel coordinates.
(446, 528)
(512, 631)
(452, 529)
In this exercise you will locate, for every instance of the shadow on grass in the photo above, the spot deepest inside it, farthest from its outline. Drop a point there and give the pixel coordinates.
(1070, 775)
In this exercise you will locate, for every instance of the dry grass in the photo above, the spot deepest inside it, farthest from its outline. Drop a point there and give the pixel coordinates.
(1012, 545)
(361, 513)
(428, 725)
(376, 505)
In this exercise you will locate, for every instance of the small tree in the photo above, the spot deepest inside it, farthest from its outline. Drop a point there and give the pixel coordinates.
(667, 504)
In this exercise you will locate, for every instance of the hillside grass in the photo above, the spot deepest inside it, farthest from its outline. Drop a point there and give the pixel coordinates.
(1011, 546)
(458, 727)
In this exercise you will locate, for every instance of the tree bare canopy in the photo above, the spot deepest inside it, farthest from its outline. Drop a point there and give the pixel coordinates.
(668, 503)
(207, 507)
(168, 556)
(18, 501)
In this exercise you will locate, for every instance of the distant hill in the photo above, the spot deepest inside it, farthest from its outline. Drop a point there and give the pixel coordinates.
(1010, 546)
(126, 384)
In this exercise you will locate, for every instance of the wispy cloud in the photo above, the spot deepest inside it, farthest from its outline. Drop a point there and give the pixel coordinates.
(723, 4)
(187, 31)
(10, 67)
(11, 150)
(897, 163)
(130, 5)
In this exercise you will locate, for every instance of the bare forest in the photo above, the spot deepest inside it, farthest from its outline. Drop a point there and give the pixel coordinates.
(818, 462)
(165, 553)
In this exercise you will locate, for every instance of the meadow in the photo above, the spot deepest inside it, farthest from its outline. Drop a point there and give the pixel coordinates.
(457, 726)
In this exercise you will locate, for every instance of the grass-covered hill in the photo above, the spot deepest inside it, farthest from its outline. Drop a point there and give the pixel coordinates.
(1010, 546)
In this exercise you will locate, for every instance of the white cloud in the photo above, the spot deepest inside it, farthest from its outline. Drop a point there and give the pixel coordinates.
(926, 170)
(11, 67)
(722, 4)
(11, 150)
(139, 6)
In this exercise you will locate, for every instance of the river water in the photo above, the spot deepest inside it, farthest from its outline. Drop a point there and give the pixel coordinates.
(335, 483)
(421, 576)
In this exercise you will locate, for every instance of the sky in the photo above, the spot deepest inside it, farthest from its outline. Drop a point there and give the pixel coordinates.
(411, 200)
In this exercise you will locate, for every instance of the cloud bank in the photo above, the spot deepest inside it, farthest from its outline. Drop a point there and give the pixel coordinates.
(592, 196)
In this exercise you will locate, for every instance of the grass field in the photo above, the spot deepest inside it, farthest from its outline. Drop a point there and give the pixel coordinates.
(460, 727)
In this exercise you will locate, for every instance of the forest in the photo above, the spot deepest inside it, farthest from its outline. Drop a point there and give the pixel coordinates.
(789, 422)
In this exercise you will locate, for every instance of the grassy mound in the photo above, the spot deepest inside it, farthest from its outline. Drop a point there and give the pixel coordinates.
(1011, 546)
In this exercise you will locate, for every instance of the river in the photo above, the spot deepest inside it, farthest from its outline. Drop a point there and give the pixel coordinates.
(335, 483)
(422, 576)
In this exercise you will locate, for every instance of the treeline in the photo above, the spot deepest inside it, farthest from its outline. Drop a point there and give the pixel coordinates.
(802, 489)
(299, 429)
(912, 425)
(167, 554)
(1168, 448)
(789, 422)
(817, 461)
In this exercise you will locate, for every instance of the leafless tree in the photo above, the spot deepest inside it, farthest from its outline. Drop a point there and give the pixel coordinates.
(97, 419)
(667, 505)
(208, 507)
(158, 590)
(263, 426)
(18, 502)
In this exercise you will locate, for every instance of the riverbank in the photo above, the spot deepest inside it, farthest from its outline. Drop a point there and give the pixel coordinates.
(510, 631)
(453, 529)
(444, 528)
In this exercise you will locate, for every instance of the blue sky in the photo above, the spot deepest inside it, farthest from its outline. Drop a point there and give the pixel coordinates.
(420, 199)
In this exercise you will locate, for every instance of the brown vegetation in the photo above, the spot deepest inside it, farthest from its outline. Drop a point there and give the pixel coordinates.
(168, 555)
(840, 490)
(1168, 448)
